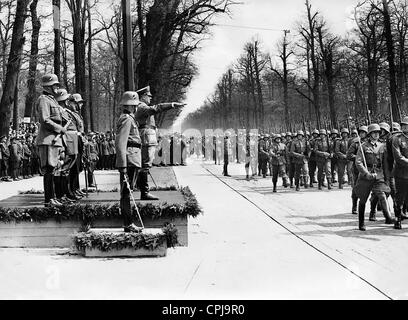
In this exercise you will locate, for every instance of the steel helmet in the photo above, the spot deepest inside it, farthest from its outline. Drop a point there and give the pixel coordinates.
(373, 128)
(278, 136)
(130, 98)
(323, 131)
(315, 131)
(345, 130)
(300, 133)
(363, 128)
(49, 80)
(404, 120)
(289, 134)
(396, 127)
(335, 131)
(385, 126)
(62, 95)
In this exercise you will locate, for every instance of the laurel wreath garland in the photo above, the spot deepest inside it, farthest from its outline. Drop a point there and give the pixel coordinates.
(106, 241)
(90, 212)
(93, 190)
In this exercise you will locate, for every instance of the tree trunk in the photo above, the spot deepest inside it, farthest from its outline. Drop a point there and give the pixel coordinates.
(13, 66)
(32, 69)
(15, 105)
(391, 61)
(90, 97)
(57, 37)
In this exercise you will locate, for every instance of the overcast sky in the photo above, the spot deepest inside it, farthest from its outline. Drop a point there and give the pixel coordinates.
(226, 43)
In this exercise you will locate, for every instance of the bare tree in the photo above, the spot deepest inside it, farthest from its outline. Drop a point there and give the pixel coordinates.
(13, 66)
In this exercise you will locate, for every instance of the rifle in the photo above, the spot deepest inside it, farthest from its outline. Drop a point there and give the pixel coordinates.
(391, 114)
(368, 115)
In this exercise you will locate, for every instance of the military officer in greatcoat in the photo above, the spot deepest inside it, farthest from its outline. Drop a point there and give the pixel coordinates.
(75, 104)
(373, 177)
(49, 139)
(128, 154)
(277, 154)
(144, 115)
(70, 144)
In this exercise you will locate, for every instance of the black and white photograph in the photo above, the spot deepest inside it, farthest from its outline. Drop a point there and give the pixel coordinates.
(203, 150)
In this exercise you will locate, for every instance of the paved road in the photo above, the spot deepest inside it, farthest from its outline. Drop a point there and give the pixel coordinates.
(236, 251)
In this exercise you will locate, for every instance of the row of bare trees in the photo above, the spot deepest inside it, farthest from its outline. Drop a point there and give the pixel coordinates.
(318, 77)
(86, 51)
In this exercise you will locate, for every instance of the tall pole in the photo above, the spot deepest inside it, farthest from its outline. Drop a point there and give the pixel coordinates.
(127, 46)
(56, 5)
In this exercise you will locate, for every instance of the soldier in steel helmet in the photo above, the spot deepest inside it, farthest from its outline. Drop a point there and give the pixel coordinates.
(312, 159)
(323, 151)
(384, 136)
(300, 152)
(128, 154)
(144, 115)
(277, 154)
(49, 139)
(75, 105)
(290, 165)
(373, 177)
(351, 156)
(400, 154)
(341, 149)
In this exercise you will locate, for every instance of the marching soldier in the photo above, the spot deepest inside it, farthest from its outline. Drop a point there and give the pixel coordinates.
(51, 126)
(263, 155)
(372, 167)
(384, 136)
(128, 154)
(277, 154)
(145, 117)
(290, 165)
(396, 131)
(341, 149)
(300, 152)
(323, 153)
(400, 154)
(226, 155)
(312, 159)
(334, 138)
(351, 156)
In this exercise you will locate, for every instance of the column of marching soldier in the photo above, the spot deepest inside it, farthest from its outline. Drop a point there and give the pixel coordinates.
(374, 158)
(64, 149)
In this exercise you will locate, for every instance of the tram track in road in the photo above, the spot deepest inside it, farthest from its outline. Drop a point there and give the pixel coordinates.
(308, 243)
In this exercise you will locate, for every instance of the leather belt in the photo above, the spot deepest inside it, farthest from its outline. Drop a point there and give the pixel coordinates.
(146, 126)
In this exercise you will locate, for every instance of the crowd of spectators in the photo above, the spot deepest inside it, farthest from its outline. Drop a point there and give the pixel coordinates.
(19, 157)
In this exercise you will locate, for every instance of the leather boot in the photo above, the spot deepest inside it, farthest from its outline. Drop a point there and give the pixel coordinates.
(340, 185)
(329, 184)
(320, 186)
(361, 211)
(372, 216)
(397, 224)
(387, 215)
(285, 183)
(354, 207)
(274, 188)
(306, 182)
